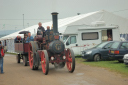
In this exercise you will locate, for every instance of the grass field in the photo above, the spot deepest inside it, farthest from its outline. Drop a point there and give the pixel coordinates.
(11, 53)
(110, 65)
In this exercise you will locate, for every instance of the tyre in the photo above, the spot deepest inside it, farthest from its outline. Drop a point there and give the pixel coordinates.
(18, 58)
(70, 60)
(97, 57)
(120, 61)
(45, 62)
(25, 60)
(31, 53)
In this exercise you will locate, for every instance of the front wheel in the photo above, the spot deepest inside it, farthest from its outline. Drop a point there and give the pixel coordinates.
(70, 60)
(97, 57)
(44, 61)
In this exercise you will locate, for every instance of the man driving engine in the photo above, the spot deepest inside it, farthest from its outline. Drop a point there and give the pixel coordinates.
(40, 30)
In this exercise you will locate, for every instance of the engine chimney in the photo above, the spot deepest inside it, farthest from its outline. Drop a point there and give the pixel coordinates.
(55, 23)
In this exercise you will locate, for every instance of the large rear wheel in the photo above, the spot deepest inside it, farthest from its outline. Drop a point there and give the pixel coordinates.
(70, 60)
(31, 53)
(44, 62)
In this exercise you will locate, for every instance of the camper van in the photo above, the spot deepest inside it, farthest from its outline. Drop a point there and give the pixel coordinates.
(80, 38)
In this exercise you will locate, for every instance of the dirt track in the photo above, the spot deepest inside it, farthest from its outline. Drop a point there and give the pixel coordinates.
(17, 74)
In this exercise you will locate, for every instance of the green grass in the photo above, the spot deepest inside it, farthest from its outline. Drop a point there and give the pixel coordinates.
(110, 65)
(10, 53)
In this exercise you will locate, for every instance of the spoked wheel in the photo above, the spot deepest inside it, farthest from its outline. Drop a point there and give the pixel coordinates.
(18, 58)
(44, 62)
(32, 49)
(25, 60)
(70, 60)
(30, 54)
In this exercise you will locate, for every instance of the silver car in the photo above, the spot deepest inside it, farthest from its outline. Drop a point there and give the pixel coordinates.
(125, 59)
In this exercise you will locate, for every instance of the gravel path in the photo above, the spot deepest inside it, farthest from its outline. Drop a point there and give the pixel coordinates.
(17, 74)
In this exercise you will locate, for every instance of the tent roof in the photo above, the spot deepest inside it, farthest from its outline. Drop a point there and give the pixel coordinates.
(83, 19)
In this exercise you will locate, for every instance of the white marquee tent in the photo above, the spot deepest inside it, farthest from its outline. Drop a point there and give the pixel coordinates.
(83, 19)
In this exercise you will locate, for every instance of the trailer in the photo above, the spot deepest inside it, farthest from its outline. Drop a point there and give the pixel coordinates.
(21, 48)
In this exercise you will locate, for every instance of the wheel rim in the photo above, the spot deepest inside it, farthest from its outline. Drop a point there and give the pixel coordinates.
(69, 60)
(43, 62)
(98, 58)
(30, 52)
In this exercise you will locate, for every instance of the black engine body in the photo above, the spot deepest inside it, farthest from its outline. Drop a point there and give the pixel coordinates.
(56, 46)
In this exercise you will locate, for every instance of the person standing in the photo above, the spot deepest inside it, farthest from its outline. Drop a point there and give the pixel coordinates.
(1, 58)
(48, 30)
(40, 30)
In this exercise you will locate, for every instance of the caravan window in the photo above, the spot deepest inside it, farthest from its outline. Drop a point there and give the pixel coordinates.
(72, 40)
(90, 36)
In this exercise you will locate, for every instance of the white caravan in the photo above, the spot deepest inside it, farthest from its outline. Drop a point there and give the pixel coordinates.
(84, 37)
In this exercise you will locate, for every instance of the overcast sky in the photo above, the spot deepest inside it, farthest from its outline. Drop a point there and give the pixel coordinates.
(11, 11)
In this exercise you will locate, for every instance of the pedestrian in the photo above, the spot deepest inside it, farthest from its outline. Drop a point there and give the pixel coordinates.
(40, 30)
(1, 57)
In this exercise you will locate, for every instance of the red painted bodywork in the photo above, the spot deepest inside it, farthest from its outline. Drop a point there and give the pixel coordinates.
(56, 37)
(55, 55)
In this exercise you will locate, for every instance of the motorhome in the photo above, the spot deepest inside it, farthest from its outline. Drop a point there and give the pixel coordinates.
(84, 37)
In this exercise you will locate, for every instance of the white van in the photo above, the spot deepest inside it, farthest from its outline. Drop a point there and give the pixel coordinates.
(84, 37)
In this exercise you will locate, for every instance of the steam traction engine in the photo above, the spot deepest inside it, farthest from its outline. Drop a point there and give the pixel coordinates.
(49, 49)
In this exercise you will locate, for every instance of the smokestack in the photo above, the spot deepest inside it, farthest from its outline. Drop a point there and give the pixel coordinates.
(55, 23)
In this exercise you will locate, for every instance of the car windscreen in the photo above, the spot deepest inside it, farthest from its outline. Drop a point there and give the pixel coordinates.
(101, 45)
(65, 38)
(115, 45)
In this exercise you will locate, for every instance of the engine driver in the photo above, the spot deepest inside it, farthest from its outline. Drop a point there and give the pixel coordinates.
(40, 30)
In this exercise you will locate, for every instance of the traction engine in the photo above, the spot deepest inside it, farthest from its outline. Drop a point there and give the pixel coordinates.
(48, 48)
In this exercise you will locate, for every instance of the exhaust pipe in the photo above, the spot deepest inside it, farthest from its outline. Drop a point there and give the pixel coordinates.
(55, 23)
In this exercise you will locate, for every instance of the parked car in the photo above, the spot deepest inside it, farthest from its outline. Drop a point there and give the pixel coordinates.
(118, 50)
(125, 59)
(100, 52)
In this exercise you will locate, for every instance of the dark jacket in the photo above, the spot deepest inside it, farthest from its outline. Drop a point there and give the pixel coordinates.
(47, 32)
(39, 30)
